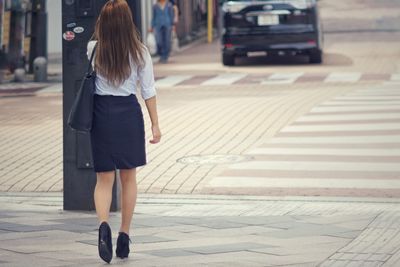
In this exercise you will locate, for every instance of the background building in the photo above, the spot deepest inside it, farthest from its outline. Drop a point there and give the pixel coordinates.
(191, 26)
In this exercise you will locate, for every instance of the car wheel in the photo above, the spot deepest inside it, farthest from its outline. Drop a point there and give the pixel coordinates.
(316, 57)
(228, 60)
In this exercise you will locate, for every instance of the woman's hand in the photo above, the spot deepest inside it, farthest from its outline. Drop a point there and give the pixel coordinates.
(156, 134)
(151, 30)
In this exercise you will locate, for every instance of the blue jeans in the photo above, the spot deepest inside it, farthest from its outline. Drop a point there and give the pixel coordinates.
(163, 39)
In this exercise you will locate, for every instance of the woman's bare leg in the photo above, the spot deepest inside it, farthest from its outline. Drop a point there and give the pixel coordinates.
(128, 197)
(103, 194)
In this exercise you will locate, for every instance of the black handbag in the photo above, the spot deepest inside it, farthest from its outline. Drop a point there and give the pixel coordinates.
(81, 114)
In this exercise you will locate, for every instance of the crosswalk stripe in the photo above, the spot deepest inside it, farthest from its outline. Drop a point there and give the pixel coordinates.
(316, 166)
(342, 127)
(282, 78)
(172, 80)
(322, 109)
(325, 151)
(349, 117)
(337, 140)
(358, 103)
(343, 77)
(225, 79)
(395, 77)
(286, 78)
(234, 181)
(377, 92)
(367, 98)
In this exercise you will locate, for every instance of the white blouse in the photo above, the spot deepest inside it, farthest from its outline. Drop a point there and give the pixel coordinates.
(143, 77)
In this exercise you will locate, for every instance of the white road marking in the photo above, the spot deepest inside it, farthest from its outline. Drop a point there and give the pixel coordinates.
(366, 98)
(171, 81)
(376, 92)
(343, 77)
(342, 127)
(325, 151)
(395, 77)
(282, 78)
(316, 166)
(337, 140)
(322, 109)
(225, 79)
(365, 103)
(349, 117)
(263, 182)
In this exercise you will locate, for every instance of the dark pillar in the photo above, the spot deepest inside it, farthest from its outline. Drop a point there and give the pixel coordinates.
(17, 34)
(38, 44)
(78, 20)
(3, 57)
(136, 7)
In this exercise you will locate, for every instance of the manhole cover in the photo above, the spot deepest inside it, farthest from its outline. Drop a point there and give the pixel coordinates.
(213, 159)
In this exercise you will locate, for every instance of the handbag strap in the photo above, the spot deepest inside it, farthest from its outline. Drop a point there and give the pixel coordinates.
(91, 58)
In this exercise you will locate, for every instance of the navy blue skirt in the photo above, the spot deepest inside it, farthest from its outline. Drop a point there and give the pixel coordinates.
(117, 135)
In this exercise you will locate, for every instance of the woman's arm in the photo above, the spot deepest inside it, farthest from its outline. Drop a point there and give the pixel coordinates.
(148, 91)
(151, 104)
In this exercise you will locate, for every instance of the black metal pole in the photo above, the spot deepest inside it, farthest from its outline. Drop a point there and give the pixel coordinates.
(38, 44)
(17, 34)
(3, 57)
(136, 7)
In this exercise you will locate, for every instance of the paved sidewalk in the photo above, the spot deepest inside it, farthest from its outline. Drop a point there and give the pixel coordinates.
(200, 230)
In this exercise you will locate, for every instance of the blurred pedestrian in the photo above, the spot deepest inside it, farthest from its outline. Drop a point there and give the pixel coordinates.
(121, 61)
(162, 23)
(174, 40)
(176, 14)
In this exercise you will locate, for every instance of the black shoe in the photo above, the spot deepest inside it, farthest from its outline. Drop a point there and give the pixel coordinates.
(105, 242)
(123, 240)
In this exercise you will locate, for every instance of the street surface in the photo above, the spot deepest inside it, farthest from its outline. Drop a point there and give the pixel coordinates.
(267, 163)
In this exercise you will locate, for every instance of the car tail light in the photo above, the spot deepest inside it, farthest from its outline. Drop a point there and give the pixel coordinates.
(228, 45)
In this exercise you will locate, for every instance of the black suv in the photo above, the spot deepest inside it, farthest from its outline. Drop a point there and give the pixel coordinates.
(273, 27)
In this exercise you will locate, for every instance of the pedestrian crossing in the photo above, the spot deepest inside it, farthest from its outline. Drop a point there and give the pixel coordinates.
(224, 79)
(286, 78)
(347, 146)
(282, 78)
(343, 77)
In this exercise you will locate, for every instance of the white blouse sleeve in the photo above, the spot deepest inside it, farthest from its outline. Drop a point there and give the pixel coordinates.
(90, 47)
(146, 77)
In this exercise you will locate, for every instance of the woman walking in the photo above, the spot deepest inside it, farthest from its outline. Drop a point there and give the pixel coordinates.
(162, 23)
(121, 62)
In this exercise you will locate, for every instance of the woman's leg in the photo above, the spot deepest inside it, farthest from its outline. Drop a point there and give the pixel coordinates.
(163, 43)
(157, 35)
(103, 194)
(128, 197)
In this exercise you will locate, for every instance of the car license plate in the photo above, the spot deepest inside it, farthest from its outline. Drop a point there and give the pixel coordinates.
(256, 54)
(266, 20)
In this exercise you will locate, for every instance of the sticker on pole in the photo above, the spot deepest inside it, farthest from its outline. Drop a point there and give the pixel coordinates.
(79, 29)
(69, 36)
(71, 25)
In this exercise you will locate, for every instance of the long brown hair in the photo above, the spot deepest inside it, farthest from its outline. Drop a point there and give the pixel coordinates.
(117, 42)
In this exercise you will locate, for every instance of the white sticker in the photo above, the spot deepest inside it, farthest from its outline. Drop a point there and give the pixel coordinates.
(71, 25)
(79, 29)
